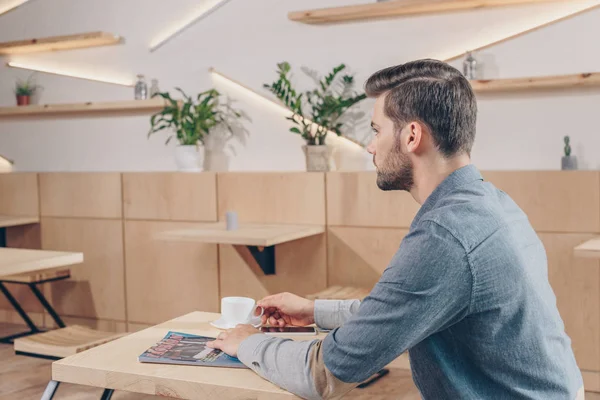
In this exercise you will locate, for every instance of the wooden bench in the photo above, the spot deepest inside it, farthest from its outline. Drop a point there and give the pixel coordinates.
(63, 342)
(340, 293)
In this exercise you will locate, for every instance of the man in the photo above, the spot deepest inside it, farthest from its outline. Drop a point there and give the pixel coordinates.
(467, 292)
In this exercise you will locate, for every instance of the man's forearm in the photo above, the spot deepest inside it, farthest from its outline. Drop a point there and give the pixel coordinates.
(331, 314)
(281, 361)
(296, 366)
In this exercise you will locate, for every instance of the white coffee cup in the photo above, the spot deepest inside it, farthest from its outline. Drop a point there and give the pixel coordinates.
(239, 310)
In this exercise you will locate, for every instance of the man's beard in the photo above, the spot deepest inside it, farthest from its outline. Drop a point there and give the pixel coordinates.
(396, 173)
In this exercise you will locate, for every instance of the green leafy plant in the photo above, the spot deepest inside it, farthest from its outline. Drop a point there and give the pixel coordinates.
(567, 146)
(316, 112)
(192, 120)
(27, 87)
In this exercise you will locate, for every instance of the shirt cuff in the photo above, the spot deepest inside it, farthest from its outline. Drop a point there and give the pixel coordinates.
(331, 314)
(249, 353)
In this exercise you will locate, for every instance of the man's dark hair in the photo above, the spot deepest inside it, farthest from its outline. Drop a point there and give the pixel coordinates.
(433, 93)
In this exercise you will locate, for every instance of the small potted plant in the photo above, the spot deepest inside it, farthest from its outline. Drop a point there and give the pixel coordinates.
(192, 121)
(316, 112)
(24, 90)
(569, 162)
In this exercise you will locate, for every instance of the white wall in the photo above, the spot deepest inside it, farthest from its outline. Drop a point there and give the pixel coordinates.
(245, 39)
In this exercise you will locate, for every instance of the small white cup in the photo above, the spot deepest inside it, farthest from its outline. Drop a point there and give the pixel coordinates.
(239, 310)
(231, 219)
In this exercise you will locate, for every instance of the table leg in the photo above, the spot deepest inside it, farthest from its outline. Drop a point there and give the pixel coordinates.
(2, 237)
(50, 390)
(107, 394)
(46, 305)
(33, 329)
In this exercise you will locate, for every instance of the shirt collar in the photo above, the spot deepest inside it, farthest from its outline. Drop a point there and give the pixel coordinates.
(460, 177)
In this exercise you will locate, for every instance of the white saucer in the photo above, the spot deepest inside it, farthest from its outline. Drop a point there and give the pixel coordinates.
(222, 324)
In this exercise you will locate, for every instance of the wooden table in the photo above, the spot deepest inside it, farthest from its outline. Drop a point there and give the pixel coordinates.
(25, 261)
(115, 366)
(33, 267)
(255, 243)
(589, 249)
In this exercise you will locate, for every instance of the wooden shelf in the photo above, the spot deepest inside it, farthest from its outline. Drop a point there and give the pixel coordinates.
(398, 9)
(589, 249)
(11, 220)
(247, 234)
(115, 107)
(534, 83)
(55, 43)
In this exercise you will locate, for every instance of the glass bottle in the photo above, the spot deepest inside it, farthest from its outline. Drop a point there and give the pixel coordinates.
(470, 66)
(141, 89)
(154, 87)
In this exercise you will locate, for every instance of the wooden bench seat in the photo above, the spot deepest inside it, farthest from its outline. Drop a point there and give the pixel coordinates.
(60, 343)
(340, 293)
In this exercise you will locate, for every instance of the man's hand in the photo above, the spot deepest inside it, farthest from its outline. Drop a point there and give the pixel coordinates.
(286, 309)
(229, 342)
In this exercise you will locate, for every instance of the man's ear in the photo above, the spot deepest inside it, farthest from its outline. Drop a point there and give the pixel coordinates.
(414, 140)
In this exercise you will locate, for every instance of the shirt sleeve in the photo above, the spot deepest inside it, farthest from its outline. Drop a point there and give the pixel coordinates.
(331, 314)
(425, 289)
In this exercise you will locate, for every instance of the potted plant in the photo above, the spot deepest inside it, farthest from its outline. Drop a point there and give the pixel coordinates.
(24, 90)
(316, 112)
(192, 121)
(569, 162)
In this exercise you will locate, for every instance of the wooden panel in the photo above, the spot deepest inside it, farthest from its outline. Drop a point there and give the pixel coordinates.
(246, 234)
(96, 288)
(576, 283)
(120, 108)
(279, 198)
(24, 236)
(54, 43)
(554, 201)
(358, 256)
(170, 196)
(300, 268)
(19, 194)
(12, 317)
(591, 381)
(353, 199)
(133, 327)
(94, 195)
(167, 279)
(390, 9)
(588, 249)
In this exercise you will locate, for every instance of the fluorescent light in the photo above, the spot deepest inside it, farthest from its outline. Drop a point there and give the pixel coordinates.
(7, 5)
(5, 164)
(208, 7)
(72, 73)
(276, 106)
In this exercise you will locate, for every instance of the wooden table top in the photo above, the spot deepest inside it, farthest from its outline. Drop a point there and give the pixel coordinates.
(22, 261)
(247, 234)
(589, 249)
(13, 220)
(115, 365)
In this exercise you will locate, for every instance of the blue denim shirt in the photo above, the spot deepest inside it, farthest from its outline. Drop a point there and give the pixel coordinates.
(467, 294)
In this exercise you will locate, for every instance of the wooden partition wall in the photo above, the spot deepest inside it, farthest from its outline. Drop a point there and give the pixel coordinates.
(130, 280)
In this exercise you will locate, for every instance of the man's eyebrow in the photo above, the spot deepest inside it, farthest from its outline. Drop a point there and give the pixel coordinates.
(374, 125)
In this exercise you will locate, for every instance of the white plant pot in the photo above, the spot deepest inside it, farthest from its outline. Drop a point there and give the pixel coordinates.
(318, 158)
(189, 158)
